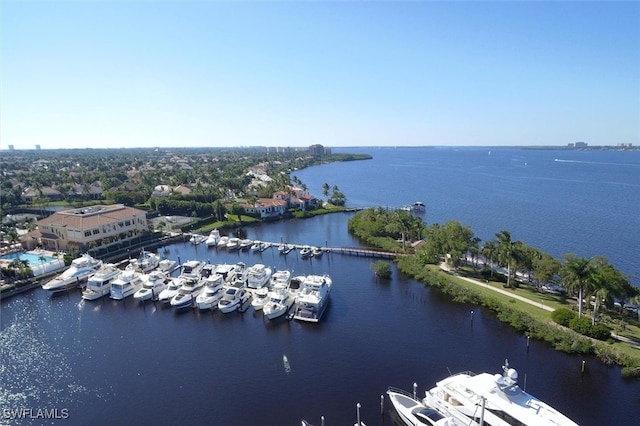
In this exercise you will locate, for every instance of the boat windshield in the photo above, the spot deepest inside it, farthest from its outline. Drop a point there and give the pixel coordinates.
(428, 416)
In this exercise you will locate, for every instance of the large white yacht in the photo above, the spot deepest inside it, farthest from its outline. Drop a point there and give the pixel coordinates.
(313, 298)
(152, 286)
(127, 283)
(187, 293)
(258, 275)
(414, 412)
(99, 284)
(495, 400)
(171, 289)
(279, 301)
(213, 238)
(76, 275)
(211, 293)
(192, 269)
(145, 262)
(235, 295)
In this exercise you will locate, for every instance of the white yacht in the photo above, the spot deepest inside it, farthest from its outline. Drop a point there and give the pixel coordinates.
(313, 298)
(213, 238)
(223, 241)
(233, 244)
(192, 269)
(280, 276)
(146, 262)
(167, 265)
(279, 301)
(494, 400)
(197, 239)
(305, 252)
(76, 275)
(259, 297)
(99, 284)
(414, 412)
(235, 295)
(127, 283)
(152, 286)
(245, 244)
(316, 251)
(171, 289)
(211, 293)
(258, 275)
(256, 246)
(187, 293)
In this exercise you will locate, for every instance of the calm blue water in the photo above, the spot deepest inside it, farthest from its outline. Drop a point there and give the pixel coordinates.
(582, 202)
(120, 363)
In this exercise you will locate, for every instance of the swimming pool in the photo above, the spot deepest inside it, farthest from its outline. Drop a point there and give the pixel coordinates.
(32, 258)
(39, 263)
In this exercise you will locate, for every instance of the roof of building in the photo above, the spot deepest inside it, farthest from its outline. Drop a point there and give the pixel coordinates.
(89, 217)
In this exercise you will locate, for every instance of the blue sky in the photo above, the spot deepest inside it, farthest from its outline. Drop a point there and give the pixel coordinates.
(339, 73)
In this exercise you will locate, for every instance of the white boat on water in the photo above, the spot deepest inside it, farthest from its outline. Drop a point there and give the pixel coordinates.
(316, 251)
(258, 275)
(99, 284)
(211, 293)
(171, 289)
(259, 297)
(192, 269)
(279, 301)
(233, 244)
(167, 265)
(126, 284)
(76, 275)
(187, 293)
(313, 298)
(145, 262)
(235, 295)
(213, 238)
(245, 244)
(197, 239)
(490, 399)
(256, 246)
(152, 286)
(414, 412)
(305, 252)
(223, 241)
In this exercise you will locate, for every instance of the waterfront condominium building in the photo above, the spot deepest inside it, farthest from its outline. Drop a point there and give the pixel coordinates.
(88, 226)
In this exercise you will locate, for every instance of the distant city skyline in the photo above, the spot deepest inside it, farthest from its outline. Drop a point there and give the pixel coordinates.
(99, 74)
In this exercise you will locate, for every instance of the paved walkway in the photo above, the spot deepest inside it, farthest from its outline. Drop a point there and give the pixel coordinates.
(499, 290)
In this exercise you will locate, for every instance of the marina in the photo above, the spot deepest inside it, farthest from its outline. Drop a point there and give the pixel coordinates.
(373, 333)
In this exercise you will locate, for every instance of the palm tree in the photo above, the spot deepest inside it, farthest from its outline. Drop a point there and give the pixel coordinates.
(506, 252)
(576, 273)
(325, 189)
(489, 250)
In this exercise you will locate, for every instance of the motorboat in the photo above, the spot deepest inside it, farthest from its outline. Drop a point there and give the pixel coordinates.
(211, 293)
(171, 289)
(313, 298)
(223, 241)
(414, 412)
(167, 265)
(279, 301)
(316, 251)
(245, 244)
(127, 283)
(197, 239)
(259, 297)
(280, 276)
(305, 252)
(207, 270)
(258, 275)
(281, 248)
(145, 262)
(99, 284)
(213, 238)
(256, 246)
(154, 283)
(233, 244)
(227, 271)
(264, 246)
(187, 293)
(285, 248)
(490, 399)
(75, 276)
(235, 295)
(192, 269)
